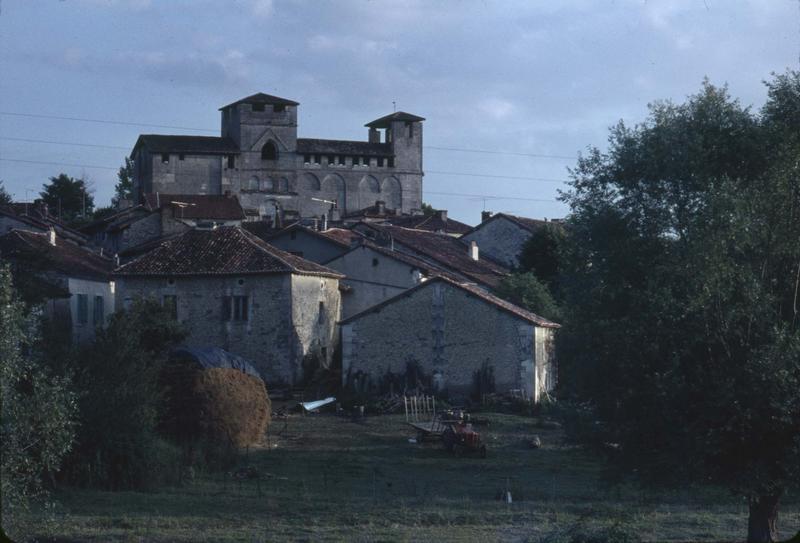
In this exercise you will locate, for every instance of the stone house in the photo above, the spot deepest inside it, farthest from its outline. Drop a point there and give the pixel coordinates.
(74, 282)
(459, 339)
(162, 215)
(314, 245)
(35, 217)
(437, 222)
(502, 236)
(234, 291)
(461, 260)
(259, 158)
(374, 273)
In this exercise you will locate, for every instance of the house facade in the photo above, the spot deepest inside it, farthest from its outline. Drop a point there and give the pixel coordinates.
(236, 292)
(259, 158)
(502, 236)
(456, 336)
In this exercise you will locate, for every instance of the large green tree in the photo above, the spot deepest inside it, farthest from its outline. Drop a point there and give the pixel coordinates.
(37, 409)
(682, 294)
(68, 198)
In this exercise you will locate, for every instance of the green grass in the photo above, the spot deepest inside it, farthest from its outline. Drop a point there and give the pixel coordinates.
(330, 479)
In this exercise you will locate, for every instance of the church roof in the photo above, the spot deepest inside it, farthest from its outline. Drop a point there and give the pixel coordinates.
(261, 98)
(343, 147)
(158, 143)
(198, 206)
(227, 250)
(385, 122)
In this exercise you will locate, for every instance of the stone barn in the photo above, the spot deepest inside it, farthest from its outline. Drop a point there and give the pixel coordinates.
(459, 340)
(234, 291)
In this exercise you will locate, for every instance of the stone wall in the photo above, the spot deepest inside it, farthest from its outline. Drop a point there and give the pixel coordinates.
(93, 290)
(195, 174)
(500, 239)
(306, 245)
(451, 335)
(316, 310)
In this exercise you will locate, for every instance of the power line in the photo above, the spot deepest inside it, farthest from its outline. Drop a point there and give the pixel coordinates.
(59, 164)
(487, 151)
(488, 197)
(103, 121)
(66, 143)
(493, 176)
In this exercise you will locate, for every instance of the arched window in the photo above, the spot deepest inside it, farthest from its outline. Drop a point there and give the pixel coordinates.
(267, 185)
(269, 151)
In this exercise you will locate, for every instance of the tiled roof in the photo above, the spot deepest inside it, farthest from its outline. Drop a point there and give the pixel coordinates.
(32, 215)
(473, 291)
(198, 206)
(227, 250)
(343, 147)
(386, 120)
(261, 98)
(158, 143)
(372, 212)
(342, 236)
(431, 223)
(445, 251)
(261, 229)
(118, 220)
(63, 257)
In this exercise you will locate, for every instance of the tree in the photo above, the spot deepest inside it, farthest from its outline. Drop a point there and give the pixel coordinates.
(682, 298)
(427, 209)
(123, 190)
(541, 254)
(38, 409)
(5, 197)
(118, 446)
(68, 198)
(527, 291)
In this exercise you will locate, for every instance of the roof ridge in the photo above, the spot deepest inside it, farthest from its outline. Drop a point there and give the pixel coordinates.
(256, 241)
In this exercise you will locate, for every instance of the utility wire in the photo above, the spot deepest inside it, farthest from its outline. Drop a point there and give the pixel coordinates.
(214, 131)
(59, 164)
(66, 143)
(493, 176)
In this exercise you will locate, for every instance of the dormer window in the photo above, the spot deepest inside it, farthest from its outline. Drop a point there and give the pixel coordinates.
(279, 108)
(165, 158)
(258, 107)
(269, 151)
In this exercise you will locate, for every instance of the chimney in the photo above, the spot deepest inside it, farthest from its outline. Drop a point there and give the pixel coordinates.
(374, 135)
(324, 223)
(51, 235)
(442, 213)
(380, 206)
(485, 215)
(473, 250)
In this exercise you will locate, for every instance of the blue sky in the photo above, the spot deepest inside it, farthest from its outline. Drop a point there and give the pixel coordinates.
(529, 77)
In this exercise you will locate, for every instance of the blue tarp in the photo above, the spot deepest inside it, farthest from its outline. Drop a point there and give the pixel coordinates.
(214, 357)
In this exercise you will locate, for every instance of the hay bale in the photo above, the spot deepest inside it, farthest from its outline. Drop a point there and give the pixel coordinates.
(233, 407)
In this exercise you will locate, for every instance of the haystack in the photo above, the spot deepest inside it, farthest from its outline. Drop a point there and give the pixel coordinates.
(215, 396)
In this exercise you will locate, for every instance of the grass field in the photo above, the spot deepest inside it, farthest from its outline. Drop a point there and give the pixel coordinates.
(330, 479)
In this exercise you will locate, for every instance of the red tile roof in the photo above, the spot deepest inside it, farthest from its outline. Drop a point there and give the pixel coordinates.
(473, 290)
(64, 257)
(445, 251)
(431, 223)
(197, 206)
(228, 250)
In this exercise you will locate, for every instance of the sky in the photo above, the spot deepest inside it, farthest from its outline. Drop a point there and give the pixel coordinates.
(529, 84)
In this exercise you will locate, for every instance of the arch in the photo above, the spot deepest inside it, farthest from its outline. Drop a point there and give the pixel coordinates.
(392, 193)
(269, 151)
(308, 182)
(267, 185)
(282, 185)
(252, 184)
(369, 184)
(333, 188)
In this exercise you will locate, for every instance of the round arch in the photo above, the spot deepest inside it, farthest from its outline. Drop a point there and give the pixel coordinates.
(392, 193)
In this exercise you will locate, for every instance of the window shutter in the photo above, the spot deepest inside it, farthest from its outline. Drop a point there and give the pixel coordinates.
(226, 308)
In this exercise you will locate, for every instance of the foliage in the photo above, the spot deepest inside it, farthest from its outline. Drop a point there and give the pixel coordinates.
(38, 409)
(5, 197)
(68, 198)
(681, 290)
(123, 190)
(527, 291)
(103, 212)
(118, 446)
(542, 253)
(427, 209)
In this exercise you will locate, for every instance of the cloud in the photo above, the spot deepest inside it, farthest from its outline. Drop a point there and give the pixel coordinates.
(496, 108)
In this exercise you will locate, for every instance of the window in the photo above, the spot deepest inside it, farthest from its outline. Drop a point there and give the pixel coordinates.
(279, 108)
(235, 308)
(355, 161)
(374, 262)
(341, 160)
(170, 303)
(258, 107)
(390, 161)
(269, 151)
(380, 162)
(165, 158)
(331, 159)
(231, 162)
(83, 308)
(410, 129)
(321, 317)
(307, 159)
(365, 161)
(97, 317)
(181, 156)
(316, 159)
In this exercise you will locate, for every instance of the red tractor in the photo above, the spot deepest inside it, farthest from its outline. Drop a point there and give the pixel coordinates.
(460, 438)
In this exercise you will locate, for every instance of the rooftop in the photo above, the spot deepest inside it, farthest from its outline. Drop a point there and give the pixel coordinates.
(227, 250)
(159, 143)
(261, 98)
(64, 257)
(197, 206)
(432, 223)
(386, 121)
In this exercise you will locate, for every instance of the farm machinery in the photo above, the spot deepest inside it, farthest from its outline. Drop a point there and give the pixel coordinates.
(452, 426)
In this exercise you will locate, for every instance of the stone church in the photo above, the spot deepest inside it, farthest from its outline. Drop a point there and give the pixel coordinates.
(259, 158)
